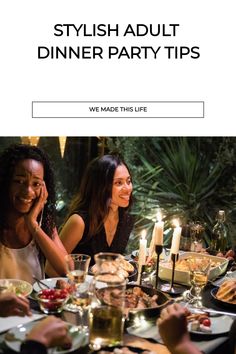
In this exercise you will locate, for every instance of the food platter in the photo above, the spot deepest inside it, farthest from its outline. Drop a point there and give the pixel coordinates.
(221, 302)
(151, 308)
(133, 314)
(131, 276)
(219, 266)
(17, 286)
(19, 333)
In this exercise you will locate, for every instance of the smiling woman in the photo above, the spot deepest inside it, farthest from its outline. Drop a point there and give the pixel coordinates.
(28, 234)
(98, 219)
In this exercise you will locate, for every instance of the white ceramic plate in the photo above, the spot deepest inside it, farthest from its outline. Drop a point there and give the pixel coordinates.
(221, 302)
(148, 329)
(228, 276)
(79, 339)
(19, 287)
(145, 329)
(51, 282)
(219, 325)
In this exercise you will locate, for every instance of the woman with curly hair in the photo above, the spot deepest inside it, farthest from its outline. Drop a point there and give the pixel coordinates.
(28, 234)
(98, 219)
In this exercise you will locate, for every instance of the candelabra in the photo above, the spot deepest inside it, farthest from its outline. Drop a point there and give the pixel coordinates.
(158, 249)
(170, 288)
(174, 258)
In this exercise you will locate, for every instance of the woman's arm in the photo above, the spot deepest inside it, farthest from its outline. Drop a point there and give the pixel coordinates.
(53, 251)
(72, 232)
(52, 248)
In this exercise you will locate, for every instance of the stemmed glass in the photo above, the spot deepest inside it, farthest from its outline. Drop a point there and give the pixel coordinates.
(196, 231)
(199, 271)
(77, 269)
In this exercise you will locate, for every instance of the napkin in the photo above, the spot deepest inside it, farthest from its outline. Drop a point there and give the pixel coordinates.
(13, 321)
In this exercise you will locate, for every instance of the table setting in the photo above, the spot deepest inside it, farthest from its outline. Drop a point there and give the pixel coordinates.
(174, 276)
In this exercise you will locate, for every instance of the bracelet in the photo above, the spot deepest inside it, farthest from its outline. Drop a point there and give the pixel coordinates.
(36, 229)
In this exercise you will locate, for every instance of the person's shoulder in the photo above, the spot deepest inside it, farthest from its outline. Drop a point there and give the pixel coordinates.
(76, 219)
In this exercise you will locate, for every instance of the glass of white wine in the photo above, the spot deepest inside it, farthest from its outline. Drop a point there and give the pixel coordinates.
(76, 270)
(199, 271)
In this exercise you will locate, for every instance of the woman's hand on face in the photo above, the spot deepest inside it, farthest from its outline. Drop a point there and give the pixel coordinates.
(40, 201)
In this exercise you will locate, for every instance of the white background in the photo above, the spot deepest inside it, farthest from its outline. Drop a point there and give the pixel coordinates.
(27, 24)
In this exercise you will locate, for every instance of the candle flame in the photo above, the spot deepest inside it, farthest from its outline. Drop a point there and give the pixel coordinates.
(143, 234)
(176, 222)
(159, 216)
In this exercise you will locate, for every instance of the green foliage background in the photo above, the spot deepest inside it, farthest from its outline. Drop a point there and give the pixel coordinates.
(189, 178)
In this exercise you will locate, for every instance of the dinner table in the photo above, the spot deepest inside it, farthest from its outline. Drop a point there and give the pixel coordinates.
(141, 340)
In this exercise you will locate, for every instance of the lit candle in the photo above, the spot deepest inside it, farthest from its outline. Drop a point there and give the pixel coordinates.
(142, 249)
(176, 239)
(158, 231)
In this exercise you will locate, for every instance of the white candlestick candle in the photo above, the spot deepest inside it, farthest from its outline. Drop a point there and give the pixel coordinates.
(159, 227)
(142, 249)
(157, 234)
(175, 240)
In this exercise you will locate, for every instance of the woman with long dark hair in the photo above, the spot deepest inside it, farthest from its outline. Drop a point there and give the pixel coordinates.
(28, 234)
(99, 219)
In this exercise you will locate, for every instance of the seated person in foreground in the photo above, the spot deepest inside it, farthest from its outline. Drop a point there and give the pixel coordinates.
(173, 329)
(49, 332)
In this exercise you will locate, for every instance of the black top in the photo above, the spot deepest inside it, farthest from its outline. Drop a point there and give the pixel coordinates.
(32, 347)
(97, 243)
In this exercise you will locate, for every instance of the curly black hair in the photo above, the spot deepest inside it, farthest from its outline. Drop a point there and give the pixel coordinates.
(8, 160)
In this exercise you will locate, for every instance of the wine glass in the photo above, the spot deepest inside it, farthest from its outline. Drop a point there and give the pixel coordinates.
(81, 300)
(199, 270)
(76, 271)
(196, 232)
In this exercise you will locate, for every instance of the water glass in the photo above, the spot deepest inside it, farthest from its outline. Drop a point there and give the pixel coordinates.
(106, 322)
(76, 270)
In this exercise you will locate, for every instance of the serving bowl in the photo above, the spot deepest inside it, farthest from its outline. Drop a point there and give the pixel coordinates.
(52, 301)
(182, 276)
(132, 314)
(162, 301)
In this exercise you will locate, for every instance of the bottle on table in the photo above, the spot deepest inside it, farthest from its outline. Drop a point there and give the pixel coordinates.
(219, 234)
(185, 239)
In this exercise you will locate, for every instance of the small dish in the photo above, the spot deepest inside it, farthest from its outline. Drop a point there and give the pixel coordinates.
(52, 301)
(19, 287)
(79, 338)
(219, 325)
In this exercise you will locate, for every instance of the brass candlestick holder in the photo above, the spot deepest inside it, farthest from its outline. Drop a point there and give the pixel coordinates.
(158, 249)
